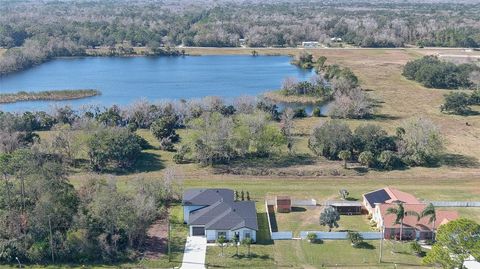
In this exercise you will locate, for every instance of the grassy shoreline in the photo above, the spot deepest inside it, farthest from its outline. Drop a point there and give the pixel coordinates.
(56, 95)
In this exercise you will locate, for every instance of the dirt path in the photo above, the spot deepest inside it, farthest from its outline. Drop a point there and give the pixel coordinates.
(157, 236)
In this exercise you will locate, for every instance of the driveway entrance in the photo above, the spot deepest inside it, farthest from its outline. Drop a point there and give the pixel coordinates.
(194, 255)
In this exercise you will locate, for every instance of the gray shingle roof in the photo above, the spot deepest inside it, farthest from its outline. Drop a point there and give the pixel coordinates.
(207, 197)
(226, 215)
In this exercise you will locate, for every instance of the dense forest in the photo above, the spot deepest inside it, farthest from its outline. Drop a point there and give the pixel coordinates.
(62, 28)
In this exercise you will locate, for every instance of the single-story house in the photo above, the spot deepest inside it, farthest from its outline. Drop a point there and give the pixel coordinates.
(310, 44)
(387, 196)
(348, 208)
(413, 228)
(283, 204)
(214, 212)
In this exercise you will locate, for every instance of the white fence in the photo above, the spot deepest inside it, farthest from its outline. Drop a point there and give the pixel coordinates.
(309, 202)
(455, 203)
(281, 235)
(340, 235)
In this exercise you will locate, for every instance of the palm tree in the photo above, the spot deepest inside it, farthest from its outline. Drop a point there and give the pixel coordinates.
(400, 213)
(430, 212)
(344, 155)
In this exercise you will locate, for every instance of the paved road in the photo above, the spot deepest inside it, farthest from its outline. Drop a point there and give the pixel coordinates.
(194, 255)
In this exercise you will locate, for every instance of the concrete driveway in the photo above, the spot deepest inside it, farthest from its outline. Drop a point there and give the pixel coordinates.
(194, 255)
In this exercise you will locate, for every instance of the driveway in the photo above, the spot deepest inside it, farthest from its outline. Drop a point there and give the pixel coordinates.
(194, 255)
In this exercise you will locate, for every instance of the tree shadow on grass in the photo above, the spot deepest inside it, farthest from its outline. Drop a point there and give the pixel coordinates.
(458, 160)
(265, 163)
(147, 162)
(365, 245)
(382, 117)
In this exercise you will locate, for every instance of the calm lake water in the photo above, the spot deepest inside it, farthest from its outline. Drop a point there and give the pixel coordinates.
(123, 80)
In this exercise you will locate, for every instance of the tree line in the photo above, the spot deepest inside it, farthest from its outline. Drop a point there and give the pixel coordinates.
(64, 28)
(45, 220)
(417, 142)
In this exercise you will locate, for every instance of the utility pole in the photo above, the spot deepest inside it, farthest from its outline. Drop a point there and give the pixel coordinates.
(51, 239)
(381, 245)
(169, 240)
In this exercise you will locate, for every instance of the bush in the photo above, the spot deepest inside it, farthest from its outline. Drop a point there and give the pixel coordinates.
(434, 73)
(312, 237)
(351, 104)
(300, 113)
(475, 97)
(457, 103)
(330, 138)
(116, 147)
(355, 238)
(317, 112)
(389, 160)
(416, 248)
(165, 128)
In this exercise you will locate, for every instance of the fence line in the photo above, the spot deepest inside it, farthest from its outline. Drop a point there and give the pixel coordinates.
(455, 203)
(282, 235)
(308, 202)
(268, 218)
(340, 235)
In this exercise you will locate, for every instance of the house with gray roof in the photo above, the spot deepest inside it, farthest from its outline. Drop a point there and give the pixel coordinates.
(214, 212)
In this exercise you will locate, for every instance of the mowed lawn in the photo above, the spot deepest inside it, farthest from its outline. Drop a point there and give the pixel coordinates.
(308, 219)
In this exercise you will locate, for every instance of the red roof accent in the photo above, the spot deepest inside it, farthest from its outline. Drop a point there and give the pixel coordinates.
(443, 217)
(397, 195)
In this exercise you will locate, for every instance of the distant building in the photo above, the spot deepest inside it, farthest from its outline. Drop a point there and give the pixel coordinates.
(310, 44)
(336, 39)
(242, 42)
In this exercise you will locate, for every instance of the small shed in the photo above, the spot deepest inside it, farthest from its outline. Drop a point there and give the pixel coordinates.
(283, 204)
(348, 208)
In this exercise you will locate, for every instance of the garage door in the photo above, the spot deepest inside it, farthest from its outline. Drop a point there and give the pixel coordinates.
(198, 231)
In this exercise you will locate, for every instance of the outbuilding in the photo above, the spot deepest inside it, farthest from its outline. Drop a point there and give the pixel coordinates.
(348, 208)
(283, 204)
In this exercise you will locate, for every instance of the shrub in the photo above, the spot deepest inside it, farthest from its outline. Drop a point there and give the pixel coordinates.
(352, 104)
(300, 113)
(475, 97)
(317, 112)
(457, 103)
(434, 73)
(420, 142)
(312, 237)
(117, 147)
(389, 160)
(416, 248)
(330, 138)
(355, 238)
(164, 128)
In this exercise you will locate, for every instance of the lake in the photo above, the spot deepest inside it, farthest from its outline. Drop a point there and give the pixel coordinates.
(123, 80)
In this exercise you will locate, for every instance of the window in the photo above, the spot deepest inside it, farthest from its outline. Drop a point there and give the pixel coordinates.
(224, 234)
(247, 234)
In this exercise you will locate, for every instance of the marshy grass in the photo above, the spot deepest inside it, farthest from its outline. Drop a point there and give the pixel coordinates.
(55, 95)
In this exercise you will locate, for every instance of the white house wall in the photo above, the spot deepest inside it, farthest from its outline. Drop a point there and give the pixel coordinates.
(211, 235)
